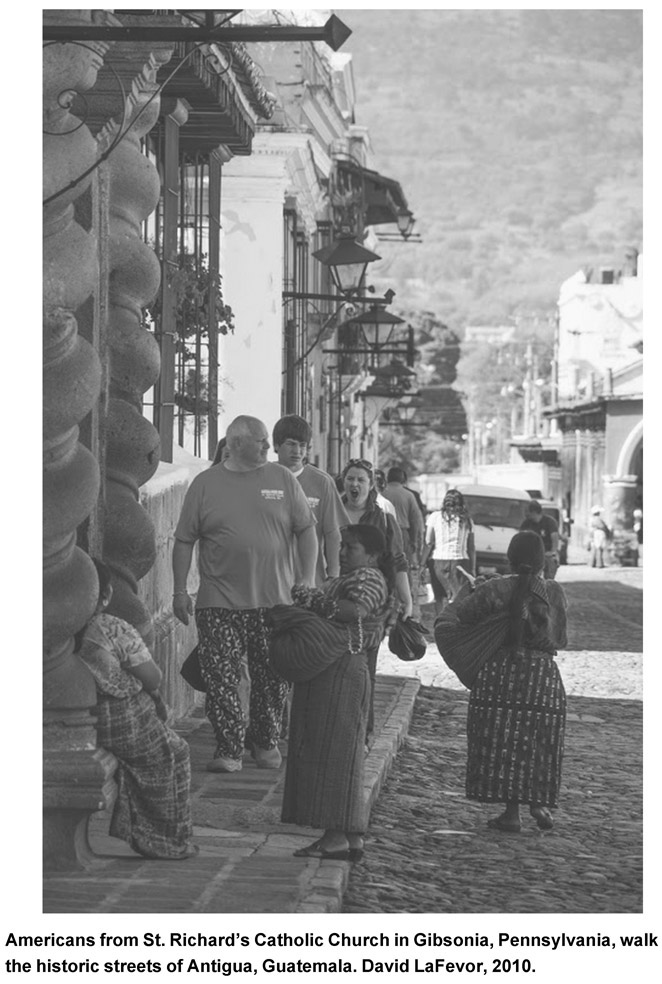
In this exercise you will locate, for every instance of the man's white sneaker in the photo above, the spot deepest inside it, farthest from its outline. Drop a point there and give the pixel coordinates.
(224, 765)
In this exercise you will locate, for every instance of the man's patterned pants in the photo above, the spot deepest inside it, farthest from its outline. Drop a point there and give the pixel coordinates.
(228, 642)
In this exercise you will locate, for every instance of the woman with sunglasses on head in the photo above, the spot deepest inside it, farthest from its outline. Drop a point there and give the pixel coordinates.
(360, 501)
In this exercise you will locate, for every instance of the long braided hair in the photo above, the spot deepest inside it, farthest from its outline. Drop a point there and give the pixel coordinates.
(526, 553)
(453, 505)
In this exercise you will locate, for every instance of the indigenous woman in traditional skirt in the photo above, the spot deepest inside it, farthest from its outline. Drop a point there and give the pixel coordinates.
(152, 811)
(517, 705)
(325, 757)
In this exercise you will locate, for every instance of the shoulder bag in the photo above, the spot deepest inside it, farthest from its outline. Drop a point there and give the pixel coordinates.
(190, 670)
(465, 648)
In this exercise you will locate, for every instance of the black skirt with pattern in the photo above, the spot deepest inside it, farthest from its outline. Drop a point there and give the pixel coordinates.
(515, 730)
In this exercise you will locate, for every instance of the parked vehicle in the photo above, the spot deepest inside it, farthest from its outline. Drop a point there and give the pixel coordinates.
(497, 513)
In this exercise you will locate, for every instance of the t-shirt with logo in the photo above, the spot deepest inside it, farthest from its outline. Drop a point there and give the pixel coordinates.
(324, 499)
(245, 524)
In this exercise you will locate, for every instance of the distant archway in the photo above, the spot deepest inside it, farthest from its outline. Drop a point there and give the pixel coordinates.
(632, 451)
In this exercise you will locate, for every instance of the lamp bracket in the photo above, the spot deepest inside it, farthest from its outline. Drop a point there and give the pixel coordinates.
(334, 32)
(296, 295)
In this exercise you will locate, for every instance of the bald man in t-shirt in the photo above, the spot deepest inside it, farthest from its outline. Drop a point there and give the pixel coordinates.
(250, 519)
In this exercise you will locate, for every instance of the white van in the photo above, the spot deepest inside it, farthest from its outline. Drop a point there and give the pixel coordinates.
(497, 513)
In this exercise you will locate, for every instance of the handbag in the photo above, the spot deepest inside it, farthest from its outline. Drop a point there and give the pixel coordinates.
(465, 648)
(190, 670)
(407, 640)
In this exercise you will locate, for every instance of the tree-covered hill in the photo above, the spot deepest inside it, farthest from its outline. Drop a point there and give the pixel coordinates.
(516, 135)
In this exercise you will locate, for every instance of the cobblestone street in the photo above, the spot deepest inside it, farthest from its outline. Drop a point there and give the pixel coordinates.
(428, 849)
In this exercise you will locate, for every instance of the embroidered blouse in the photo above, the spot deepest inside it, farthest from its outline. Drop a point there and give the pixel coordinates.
(449, 534)
(366, 585)
(110, 645)
(495, 595)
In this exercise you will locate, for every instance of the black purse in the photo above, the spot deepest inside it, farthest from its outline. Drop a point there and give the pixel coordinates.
(407, 640)
(190, 670)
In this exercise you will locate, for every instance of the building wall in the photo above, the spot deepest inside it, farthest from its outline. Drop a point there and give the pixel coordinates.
(162, 498)
(599, 327)
(622, 419)
(251, 267)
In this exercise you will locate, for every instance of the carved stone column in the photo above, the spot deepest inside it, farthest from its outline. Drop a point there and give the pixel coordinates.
(132, 442)
(76, 774)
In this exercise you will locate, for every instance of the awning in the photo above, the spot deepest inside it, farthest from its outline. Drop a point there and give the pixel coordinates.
(383, 197)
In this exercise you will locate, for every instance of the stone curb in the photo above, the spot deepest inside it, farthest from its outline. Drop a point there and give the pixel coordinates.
(330, 878)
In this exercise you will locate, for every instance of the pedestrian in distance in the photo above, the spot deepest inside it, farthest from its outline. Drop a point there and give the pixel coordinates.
(248, 517)
(419, 502)
(410, 521)
(360, 502)
(599, 538)
(407, 514)
(291, 440)
(324, 773)
(380, 485)
(222, 451)
(449, 545)
(517, 703)
(548, 530)
(152, 811)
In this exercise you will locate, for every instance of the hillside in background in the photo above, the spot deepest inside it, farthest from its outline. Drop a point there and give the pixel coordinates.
(516, 136)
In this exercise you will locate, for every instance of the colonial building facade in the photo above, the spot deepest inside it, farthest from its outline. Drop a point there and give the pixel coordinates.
(598, 410)
(184, 191)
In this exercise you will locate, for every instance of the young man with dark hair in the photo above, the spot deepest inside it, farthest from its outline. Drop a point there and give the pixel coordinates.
(291, 439)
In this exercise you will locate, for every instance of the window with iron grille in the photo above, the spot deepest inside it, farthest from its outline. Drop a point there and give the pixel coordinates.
(296, 261)
(189, 312)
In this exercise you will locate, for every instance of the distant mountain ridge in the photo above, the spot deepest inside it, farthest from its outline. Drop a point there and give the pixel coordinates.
(517, 138)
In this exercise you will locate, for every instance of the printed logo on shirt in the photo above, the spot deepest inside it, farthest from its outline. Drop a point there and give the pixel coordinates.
(313, 502)
(272, 493)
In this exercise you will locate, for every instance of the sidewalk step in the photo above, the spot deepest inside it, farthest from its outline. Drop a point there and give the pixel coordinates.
(245, 862)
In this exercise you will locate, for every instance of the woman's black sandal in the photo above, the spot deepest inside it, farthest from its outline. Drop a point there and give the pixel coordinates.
(543, 817)
(503, 823)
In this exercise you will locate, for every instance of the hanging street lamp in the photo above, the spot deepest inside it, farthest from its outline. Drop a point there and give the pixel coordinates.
(347, 261)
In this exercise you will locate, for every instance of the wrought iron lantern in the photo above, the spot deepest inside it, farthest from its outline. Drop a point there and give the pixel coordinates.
(347, 261)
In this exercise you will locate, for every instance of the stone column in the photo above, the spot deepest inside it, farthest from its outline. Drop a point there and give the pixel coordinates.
(76, 775)
(132, 442)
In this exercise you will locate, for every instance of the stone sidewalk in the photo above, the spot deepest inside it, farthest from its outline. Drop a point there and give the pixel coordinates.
(245, 862)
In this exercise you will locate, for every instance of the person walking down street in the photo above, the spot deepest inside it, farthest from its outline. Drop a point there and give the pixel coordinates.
(410, 521)
(600, 535)
(638, 530)
(248, 516)
(222, 452)
(325, 762)
(152, 811)
(517, 704)
(360, 501)
(291, 439)
(407, 514)
(382, 501)
(449, 544)
(422, 508)
(548, 530)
